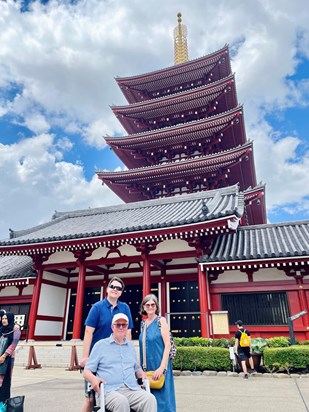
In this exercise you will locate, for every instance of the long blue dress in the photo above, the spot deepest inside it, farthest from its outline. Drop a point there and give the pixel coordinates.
(154, 351)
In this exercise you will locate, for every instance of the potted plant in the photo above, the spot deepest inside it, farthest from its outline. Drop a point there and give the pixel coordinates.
(258, 345)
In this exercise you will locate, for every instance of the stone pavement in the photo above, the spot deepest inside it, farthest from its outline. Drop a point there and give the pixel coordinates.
(55, 389)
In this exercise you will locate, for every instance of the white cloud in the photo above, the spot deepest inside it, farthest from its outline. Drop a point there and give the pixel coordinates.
(57, 67)
(94, 132)
(36, 122)
(34, 184)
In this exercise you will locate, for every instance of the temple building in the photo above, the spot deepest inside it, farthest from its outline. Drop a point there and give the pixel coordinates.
(192, 229)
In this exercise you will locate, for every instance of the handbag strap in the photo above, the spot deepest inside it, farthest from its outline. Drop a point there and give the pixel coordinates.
(144, 347)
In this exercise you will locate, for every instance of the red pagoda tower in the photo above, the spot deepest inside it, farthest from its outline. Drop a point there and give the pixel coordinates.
(185, 133)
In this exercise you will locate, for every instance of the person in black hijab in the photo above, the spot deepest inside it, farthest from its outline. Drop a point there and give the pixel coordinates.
(8, 323)
(9, 338)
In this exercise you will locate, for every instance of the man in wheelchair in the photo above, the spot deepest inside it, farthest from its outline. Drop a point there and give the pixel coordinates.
(113, 362)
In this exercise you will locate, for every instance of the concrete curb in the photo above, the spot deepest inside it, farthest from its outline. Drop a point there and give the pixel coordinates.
(278, 375)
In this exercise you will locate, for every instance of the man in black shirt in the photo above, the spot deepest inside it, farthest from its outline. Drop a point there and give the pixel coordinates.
(243, 352)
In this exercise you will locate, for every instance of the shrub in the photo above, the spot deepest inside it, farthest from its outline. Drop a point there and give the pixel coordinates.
(220, 343)
(232, 341)
(305, 342)
(196, 341)
(202, 358)
(204, 342)
(293, 357)
(278, 342)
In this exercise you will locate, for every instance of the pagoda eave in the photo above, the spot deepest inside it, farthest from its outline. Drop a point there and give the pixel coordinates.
(240, 157)
(149, 85)
(183, 177)
(198, 138)
(196, 104)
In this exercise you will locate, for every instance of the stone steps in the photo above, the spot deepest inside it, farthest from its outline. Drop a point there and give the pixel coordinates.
(48, 354)
(51, 354)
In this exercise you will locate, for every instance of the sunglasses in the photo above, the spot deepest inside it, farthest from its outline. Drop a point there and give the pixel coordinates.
(120, 325)
(119, 288)
(150, 305)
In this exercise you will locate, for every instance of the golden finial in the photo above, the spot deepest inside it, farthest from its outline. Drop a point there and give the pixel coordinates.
(180, 42)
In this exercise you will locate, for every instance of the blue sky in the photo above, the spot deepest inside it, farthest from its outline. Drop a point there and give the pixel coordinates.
(58, 60)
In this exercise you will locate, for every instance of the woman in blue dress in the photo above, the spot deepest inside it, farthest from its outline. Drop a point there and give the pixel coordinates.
(157, 352)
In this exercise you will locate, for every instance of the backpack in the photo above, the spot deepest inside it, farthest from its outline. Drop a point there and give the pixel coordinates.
(244, 340)
(173, 350)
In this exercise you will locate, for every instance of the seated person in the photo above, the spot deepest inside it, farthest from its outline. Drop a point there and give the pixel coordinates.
(113, 361)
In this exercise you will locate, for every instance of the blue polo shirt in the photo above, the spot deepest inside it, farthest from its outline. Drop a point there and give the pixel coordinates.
(100, 318)
(115, 363)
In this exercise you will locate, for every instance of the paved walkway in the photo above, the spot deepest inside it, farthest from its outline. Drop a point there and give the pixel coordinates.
(55, 389)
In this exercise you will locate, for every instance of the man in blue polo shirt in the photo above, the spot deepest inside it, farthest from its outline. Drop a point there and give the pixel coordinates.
(98, 325)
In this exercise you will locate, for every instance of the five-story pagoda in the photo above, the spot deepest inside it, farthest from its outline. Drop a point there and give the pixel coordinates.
(185, 133)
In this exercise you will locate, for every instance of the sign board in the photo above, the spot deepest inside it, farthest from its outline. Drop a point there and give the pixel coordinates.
(220, 322)
(298, 315)
(19, 319)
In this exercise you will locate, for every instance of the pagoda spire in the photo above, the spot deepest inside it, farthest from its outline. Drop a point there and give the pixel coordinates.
(180, 42)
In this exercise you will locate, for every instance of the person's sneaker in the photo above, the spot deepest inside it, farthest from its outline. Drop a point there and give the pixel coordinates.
(246, 376)
(252, 371)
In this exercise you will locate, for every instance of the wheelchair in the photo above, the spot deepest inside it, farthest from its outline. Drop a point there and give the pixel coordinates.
(99, 401)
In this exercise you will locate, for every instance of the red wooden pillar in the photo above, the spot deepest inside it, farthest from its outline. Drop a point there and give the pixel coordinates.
(35, 303)
(204, 306)
(79, 301)
(303, 302)
(81, 256)
(146, 274)
(163, 293)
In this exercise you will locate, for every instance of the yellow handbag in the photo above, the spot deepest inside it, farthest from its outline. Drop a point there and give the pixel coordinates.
(155, 384)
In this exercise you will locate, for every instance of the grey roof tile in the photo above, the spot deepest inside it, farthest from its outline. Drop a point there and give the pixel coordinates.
(14, 267)
(146, 215)
(261, 241)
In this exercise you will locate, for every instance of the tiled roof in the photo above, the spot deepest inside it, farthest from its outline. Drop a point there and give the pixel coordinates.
(261, 242)
(209, 91)
(126, 218)
(213, 160)
(176, 68)
(153, 138)
(16, 267)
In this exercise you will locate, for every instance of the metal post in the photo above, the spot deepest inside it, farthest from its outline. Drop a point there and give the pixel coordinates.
(290, 324)
(292, 337)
